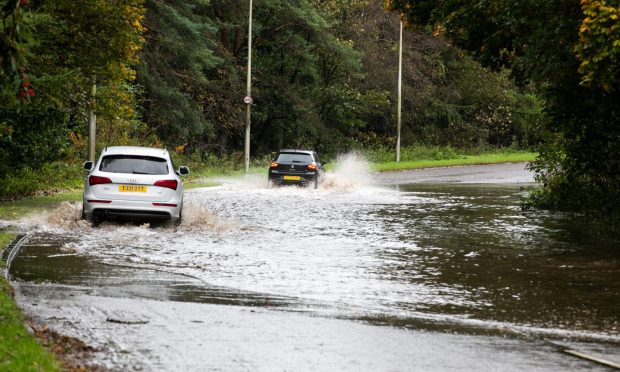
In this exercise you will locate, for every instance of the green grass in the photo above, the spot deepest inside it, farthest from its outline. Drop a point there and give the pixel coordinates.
(487, 158)
(14, 209)
(19, 350)
(5, 238)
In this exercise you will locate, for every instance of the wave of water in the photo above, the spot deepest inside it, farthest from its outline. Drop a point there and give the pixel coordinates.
(351, 171)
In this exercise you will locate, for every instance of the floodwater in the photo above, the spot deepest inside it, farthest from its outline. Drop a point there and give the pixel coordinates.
(317, 274)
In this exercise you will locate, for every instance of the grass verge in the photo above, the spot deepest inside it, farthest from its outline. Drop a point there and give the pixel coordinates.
(19, 350)
(487, 158)
(14, 209)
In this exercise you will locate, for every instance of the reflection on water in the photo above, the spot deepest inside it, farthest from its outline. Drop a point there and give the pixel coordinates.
(524, 268)
(406, 255)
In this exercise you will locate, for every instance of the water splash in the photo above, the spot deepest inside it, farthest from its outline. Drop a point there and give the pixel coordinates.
(198, 216)
(352, 171)
(65, 215)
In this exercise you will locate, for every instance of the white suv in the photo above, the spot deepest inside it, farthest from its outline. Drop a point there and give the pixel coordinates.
(133, 183)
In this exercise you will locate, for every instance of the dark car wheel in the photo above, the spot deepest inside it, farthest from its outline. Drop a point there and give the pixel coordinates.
(315, 182)
(178, 222)
(94, 221)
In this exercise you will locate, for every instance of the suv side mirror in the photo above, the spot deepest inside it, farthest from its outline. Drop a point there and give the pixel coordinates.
(89, 165)
(183, 171)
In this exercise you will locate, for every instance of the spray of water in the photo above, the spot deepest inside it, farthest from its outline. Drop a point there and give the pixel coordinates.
(65, 215)
(352, 171)
(68, 215)
(197, 216)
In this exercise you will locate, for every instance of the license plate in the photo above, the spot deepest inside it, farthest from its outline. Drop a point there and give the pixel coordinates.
(131, 188)
(292, 178)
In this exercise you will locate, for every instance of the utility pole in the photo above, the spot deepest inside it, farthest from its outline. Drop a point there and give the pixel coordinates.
(400, 87)
(92, 125)
(248, 97)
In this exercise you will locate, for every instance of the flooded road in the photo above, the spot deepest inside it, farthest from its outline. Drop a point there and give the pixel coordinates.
(424, 270)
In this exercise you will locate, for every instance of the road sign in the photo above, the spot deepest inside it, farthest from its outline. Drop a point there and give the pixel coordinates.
(248, 100)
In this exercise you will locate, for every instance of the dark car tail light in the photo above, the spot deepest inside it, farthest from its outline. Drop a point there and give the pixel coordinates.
(171, 184)
(164, 205)
(273, 165)
(311, 166)
(96, 180)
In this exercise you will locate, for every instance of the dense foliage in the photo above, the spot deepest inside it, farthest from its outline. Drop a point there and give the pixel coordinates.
(173, 74)
(324, 76)
(58, 50)
(569, 50)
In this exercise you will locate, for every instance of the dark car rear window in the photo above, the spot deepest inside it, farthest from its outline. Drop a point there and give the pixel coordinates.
(287, 157)
(134, 164)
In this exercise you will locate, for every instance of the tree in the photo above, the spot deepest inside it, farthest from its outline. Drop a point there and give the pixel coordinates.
(298, 65)
(448, 99)
(569, 50)
(63, 47)
(174, 72)
(14, 37)
(598, 49)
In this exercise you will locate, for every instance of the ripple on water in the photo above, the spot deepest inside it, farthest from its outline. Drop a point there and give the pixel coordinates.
(359, 250)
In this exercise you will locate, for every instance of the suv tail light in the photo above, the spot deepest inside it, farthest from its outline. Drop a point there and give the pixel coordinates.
(164, 205)
(171, 184)
(311, 166)
(273, 165)
(96, 180)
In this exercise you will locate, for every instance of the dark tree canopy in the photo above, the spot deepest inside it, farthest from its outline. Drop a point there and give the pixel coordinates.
(173, 73)
(175, 62)
(570, 50)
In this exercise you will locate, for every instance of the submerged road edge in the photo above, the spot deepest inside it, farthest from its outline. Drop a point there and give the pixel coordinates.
(11, 251)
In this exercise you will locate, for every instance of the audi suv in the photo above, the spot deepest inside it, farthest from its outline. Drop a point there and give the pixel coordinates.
(133, 183)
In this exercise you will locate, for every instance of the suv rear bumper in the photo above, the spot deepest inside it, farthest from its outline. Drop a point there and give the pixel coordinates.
(132, 210)
(130, 215)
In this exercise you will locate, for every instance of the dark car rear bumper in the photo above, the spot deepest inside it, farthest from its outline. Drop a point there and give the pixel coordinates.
(280, 178)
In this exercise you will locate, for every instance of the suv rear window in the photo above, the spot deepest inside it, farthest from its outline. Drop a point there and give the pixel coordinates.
(134, 164)
(288, 157)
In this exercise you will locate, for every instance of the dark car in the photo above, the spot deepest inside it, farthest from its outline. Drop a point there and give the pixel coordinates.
(296, 167)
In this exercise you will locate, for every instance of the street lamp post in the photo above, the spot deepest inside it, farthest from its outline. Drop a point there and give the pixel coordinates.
(400, 86)
(248, 97)
(92, 126)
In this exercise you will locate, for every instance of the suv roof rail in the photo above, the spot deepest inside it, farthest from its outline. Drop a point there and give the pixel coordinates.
(294, 150)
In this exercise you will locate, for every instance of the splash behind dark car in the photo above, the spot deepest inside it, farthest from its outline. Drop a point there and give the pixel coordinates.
(296, 167)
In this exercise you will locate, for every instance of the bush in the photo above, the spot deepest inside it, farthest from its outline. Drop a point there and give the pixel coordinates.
(50, 177)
